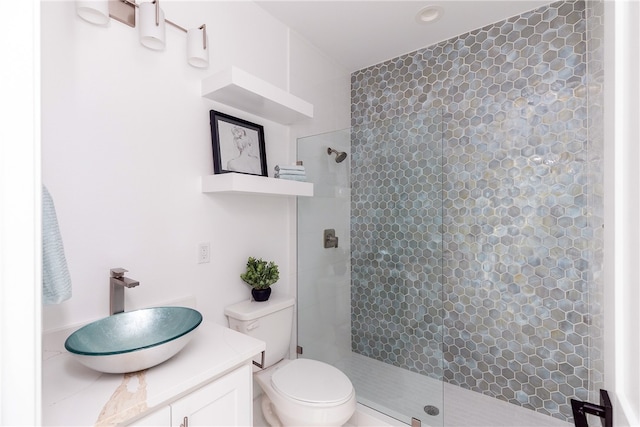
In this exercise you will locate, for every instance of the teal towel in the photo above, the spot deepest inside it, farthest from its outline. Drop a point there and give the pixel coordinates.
(279, 168)
(290, 172)
(290, 177)
(56, 282)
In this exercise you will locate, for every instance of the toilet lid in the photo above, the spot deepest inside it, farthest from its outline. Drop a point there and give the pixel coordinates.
(312, 381)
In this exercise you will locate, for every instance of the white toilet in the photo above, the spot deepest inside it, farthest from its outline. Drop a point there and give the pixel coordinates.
(300, 392)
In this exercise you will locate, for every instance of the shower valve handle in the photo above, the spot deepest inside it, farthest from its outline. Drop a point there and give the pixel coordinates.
(330, 239)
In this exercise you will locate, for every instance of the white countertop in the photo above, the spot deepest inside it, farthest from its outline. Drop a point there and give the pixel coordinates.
(74, 395)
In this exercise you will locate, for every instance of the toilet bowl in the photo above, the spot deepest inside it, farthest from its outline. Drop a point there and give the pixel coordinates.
(299, 392)
(306, 392)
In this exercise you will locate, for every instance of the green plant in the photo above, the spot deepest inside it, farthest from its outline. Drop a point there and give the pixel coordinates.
(260, 274)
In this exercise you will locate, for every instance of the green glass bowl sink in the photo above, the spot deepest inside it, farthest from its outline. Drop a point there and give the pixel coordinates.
(134, 340)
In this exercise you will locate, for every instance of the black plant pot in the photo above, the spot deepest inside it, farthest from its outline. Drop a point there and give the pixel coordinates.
(261, 294)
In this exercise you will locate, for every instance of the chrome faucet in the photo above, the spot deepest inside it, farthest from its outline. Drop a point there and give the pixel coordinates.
(117, 283)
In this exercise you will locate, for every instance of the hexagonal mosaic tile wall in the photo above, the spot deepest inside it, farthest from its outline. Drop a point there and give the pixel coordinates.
(476, 210)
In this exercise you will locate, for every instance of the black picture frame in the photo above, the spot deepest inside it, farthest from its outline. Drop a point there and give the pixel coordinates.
(238, 145)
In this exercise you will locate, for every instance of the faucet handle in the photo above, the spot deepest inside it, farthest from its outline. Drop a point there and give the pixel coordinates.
(118, 273)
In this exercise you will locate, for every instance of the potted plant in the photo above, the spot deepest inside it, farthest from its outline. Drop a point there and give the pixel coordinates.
(260, 275)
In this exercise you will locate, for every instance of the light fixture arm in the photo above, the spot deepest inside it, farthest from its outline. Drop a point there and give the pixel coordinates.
(156, 2)
(175, 25)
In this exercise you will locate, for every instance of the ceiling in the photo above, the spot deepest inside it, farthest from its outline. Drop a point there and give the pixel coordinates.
(360, 33)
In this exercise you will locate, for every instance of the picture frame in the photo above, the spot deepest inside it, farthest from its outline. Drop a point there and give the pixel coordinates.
(238, 145)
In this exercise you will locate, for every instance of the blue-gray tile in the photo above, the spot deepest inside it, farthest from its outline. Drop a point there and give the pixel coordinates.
(476, 193)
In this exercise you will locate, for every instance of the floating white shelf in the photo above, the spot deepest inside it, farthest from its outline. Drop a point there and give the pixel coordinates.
(252, 184)
(239, 89)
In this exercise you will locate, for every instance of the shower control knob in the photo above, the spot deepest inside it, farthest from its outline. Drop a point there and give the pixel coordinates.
(330, 239)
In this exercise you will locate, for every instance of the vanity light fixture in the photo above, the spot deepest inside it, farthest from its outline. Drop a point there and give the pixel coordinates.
(94, 11)
(197, 52)
(429, 14)
(152, 25)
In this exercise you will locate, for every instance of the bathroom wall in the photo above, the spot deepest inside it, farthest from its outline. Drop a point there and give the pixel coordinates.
(126, 138)
(477, 210)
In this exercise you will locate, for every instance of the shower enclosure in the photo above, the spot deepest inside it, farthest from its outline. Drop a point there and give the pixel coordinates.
(361, 305)
(469, 220)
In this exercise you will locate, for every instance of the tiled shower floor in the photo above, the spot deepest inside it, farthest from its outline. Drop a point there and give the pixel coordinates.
(399, 393)
(402, 394)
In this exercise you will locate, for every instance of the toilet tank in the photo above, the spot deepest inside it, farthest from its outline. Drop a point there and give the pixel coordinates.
(270, 321)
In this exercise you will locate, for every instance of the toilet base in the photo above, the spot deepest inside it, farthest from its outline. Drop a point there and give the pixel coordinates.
(268, 412)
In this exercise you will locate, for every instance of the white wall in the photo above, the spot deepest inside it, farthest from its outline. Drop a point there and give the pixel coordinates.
(622, 180)
(126, 138)
(20, 266)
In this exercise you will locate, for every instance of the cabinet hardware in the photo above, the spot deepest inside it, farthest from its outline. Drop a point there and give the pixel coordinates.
(259, 365)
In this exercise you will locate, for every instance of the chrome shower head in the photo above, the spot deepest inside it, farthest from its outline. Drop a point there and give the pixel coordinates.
(340, 155)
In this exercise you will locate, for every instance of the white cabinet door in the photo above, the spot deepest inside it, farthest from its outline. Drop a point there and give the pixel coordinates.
(224, 402)
(159, 418)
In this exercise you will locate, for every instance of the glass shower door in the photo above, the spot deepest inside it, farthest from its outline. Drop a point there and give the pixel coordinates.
(324, 276)
(372, 306)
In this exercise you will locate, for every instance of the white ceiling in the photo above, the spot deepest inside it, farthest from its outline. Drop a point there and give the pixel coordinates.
(359, 33)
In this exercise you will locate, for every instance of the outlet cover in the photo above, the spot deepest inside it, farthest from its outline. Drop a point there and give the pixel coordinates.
(204, 249)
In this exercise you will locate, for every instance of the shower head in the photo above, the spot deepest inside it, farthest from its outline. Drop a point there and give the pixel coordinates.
(340, 155)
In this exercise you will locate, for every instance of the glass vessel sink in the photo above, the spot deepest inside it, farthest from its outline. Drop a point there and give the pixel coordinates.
(134, 340)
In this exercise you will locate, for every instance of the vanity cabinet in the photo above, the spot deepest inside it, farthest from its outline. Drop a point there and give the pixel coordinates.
(223, 402)
(209, 382)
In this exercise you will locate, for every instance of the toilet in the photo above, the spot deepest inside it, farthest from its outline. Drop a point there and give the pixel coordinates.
(300, 392)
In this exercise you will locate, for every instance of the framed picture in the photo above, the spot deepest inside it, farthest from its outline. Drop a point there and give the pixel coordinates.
(238, 145)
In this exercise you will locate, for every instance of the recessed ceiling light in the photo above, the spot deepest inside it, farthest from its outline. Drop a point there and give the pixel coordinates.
(429, 14)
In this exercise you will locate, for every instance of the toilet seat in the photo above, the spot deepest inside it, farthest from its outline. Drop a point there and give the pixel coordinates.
(311, 381)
